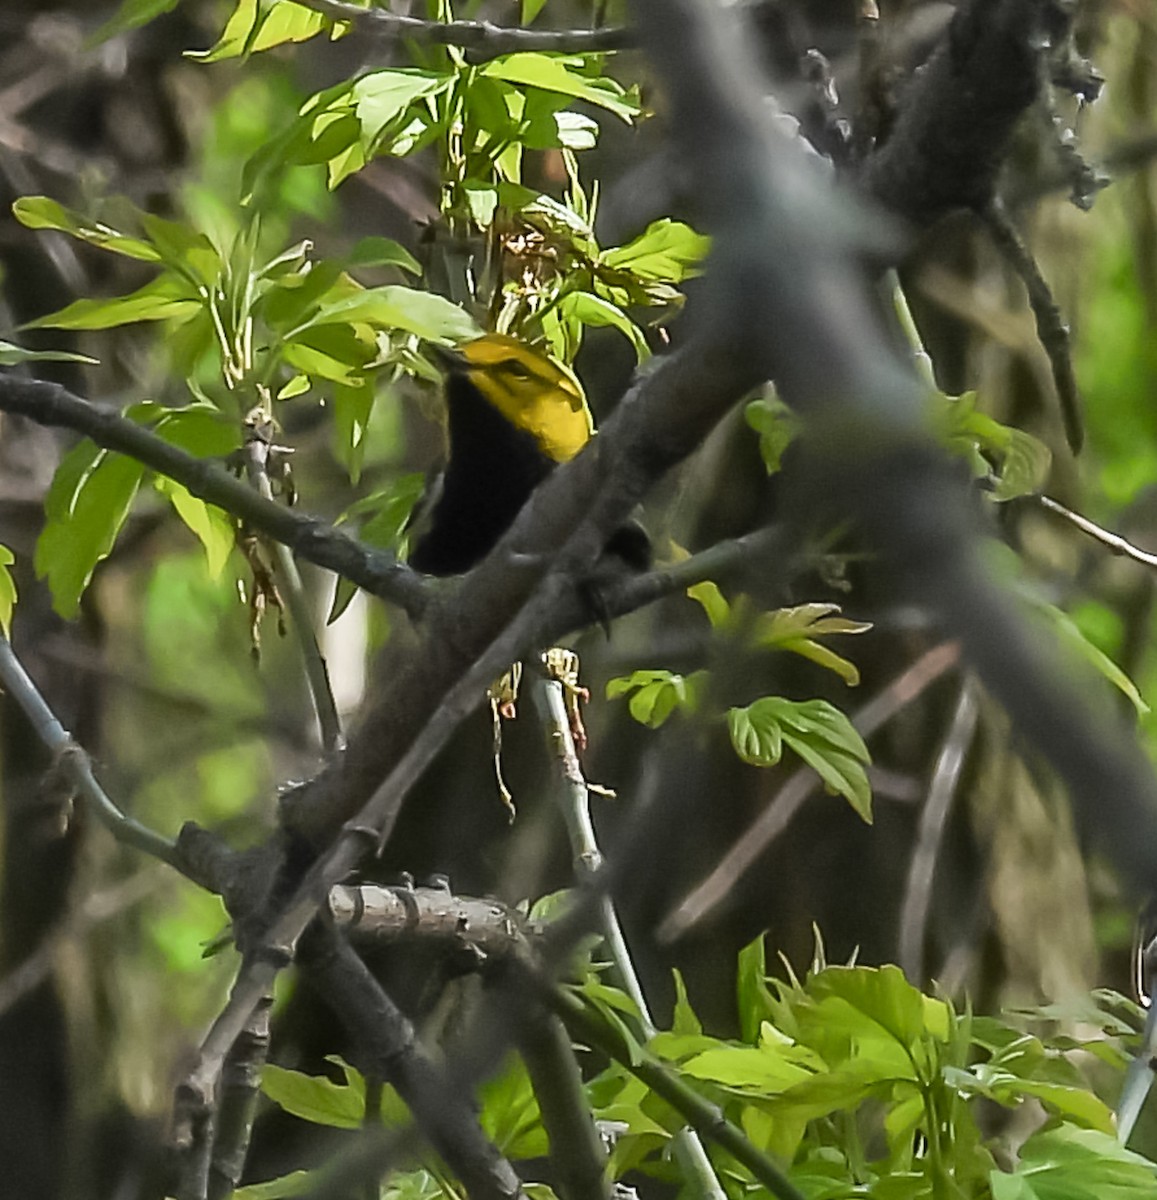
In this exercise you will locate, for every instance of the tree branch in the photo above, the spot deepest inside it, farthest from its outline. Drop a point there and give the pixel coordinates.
(74, 765)
(314, 540)
(388, 1047)
(958, 112)
(482, 39)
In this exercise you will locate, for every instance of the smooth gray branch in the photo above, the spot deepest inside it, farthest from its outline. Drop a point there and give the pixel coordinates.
(74, 766)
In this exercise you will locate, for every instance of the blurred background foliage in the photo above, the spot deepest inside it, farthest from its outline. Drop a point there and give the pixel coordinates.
(158, 679)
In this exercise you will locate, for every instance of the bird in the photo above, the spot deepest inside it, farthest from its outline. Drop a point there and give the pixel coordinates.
(513, 416)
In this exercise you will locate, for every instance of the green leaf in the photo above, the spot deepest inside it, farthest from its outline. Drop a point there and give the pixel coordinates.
(7, 590)
(1024, 467)
(383, 252)
(531, 9)
(83, 525)
(817, 731)
(482, 201)
(756, 735)
(255, 26)
(381, 97)
(352, 407)
(714, 604)
(796, 629)
(1024, 461)
(314, 1098)
(211, 525)
(1071, 636)
(297, 1183)
(397, 307)
(388, 512)
(40, 212)
(200, 429)
(752, 993)
(667, 250)
(655, 695)
(164, 298)
(297, 386)
(11, 354)
(777, 428)
(763, 1070)
(185, 249)
(595, 311)
(683, 1019)
(887, 999)
(509, 1112)
(554, 75)
(132, 14)
(1067, 1163)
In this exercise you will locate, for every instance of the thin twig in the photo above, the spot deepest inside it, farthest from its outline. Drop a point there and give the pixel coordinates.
(75, 765)
(257, 450)
(482, 39)
(1114, 542)
(702, 1115)
(945, 776)
(704, 899)
(240, 1089)
(1051, 329)
(575, 801)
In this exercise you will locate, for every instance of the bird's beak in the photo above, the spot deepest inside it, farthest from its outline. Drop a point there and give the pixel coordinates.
(445, 358)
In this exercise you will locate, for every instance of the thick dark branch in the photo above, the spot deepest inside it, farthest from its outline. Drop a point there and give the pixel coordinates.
(958, 112)
(482, 39)
(789, 292)
(388, 1048)
(312, 539)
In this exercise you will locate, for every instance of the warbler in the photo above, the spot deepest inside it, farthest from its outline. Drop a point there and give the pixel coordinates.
(514, 415)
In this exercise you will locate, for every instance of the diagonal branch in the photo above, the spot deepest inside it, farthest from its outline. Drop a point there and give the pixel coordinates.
(314, 540)
(482, 39)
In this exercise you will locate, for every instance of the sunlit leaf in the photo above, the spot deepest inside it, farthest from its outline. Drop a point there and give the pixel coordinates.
(654, 695)
(381, 97)
(1067, 1163)
(666, 250)
(817, 731)
(1070, 634)
(77, 537)
(796, 629)
(213, 527)
(397, 307)
(595, 311)
(553, 74)
(314, 1098)
(7, 590)
(11, 354)
(162, 299)
(41, 212)
(714, 604)
(255, 26)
